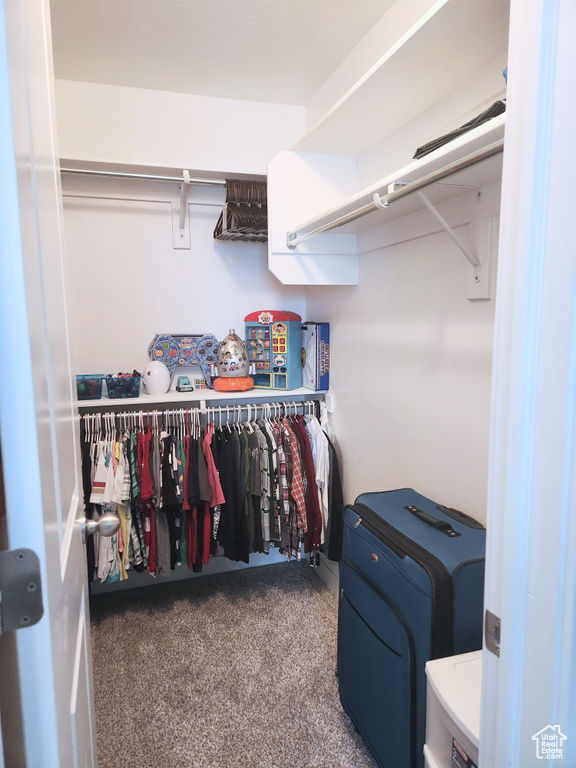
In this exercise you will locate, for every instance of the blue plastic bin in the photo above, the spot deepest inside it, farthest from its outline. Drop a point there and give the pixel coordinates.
(89, 386)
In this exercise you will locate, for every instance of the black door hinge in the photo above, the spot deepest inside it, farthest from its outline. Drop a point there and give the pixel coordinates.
(20, 589)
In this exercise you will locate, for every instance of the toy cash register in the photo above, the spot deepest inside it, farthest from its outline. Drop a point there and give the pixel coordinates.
(274, 343)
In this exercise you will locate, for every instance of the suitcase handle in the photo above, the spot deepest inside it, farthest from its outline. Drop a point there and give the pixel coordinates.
(435, 522)
(461, 517)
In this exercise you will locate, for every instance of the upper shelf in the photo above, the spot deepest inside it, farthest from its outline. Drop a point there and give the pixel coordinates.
(429, 68)
(442, 51)
(476, 176)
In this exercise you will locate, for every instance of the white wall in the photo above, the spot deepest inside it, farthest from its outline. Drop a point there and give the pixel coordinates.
(410, 371)
(126, 282)
(144, 127)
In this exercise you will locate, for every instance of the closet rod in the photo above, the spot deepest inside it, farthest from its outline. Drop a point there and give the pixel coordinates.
(193, 413)
(281, 404)
(230, 408)
(147, 176)
(292, 239)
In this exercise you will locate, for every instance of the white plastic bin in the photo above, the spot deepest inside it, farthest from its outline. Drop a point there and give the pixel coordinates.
(453, 711)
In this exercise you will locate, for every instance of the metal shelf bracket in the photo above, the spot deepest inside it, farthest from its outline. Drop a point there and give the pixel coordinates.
(181, 233)
(463, 247)
(184, 187)
(483, 236)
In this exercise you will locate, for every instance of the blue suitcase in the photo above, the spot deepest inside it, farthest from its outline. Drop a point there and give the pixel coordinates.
(411, 589)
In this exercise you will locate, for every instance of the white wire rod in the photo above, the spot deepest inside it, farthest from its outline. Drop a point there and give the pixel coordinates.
(292, 239)
(125, 198)
(145, 176)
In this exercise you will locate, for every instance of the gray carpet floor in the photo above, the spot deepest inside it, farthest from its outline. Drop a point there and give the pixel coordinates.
(228, 671)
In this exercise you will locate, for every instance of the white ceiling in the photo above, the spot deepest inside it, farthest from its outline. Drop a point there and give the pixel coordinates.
(278, 51)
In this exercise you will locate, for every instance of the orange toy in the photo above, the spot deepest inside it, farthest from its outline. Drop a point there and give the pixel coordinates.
(233, 383)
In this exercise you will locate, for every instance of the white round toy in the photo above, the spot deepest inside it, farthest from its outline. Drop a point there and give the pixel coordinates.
(156, 378)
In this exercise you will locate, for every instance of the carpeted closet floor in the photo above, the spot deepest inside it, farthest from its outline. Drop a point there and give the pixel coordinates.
(228, 671)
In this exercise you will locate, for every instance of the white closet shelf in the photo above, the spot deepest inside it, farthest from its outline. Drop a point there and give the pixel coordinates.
(435, 65)
(474, 177)
(196, 397)
(143, 172)
(440, 52)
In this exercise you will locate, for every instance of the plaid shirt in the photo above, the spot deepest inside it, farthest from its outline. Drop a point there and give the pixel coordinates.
(297, 486)
(284, 471)
(271, 442)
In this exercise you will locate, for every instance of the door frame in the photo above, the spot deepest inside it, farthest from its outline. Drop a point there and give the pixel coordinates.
(532, 454)
(531, 569)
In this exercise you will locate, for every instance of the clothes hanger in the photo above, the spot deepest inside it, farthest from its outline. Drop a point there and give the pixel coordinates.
(248, 423)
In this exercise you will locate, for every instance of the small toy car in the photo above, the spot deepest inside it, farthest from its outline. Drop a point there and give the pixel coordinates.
(183, 384)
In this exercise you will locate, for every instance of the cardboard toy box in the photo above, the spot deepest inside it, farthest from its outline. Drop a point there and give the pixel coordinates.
(315, 355)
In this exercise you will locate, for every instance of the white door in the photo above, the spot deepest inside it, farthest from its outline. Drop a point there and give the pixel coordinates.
(45, 695)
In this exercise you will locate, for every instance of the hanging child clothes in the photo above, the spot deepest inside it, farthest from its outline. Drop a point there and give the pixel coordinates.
(184, 493)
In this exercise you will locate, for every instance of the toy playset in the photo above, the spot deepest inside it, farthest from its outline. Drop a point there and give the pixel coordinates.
(274, 342)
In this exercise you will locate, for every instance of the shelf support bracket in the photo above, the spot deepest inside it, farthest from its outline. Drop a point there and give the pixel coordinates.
(459, 242)
(181, 233)
(184, 197)
(483, 235)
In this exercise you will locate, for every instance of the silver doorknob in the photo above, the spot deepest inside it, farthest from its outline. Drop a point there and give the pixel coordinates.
(107, 525)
